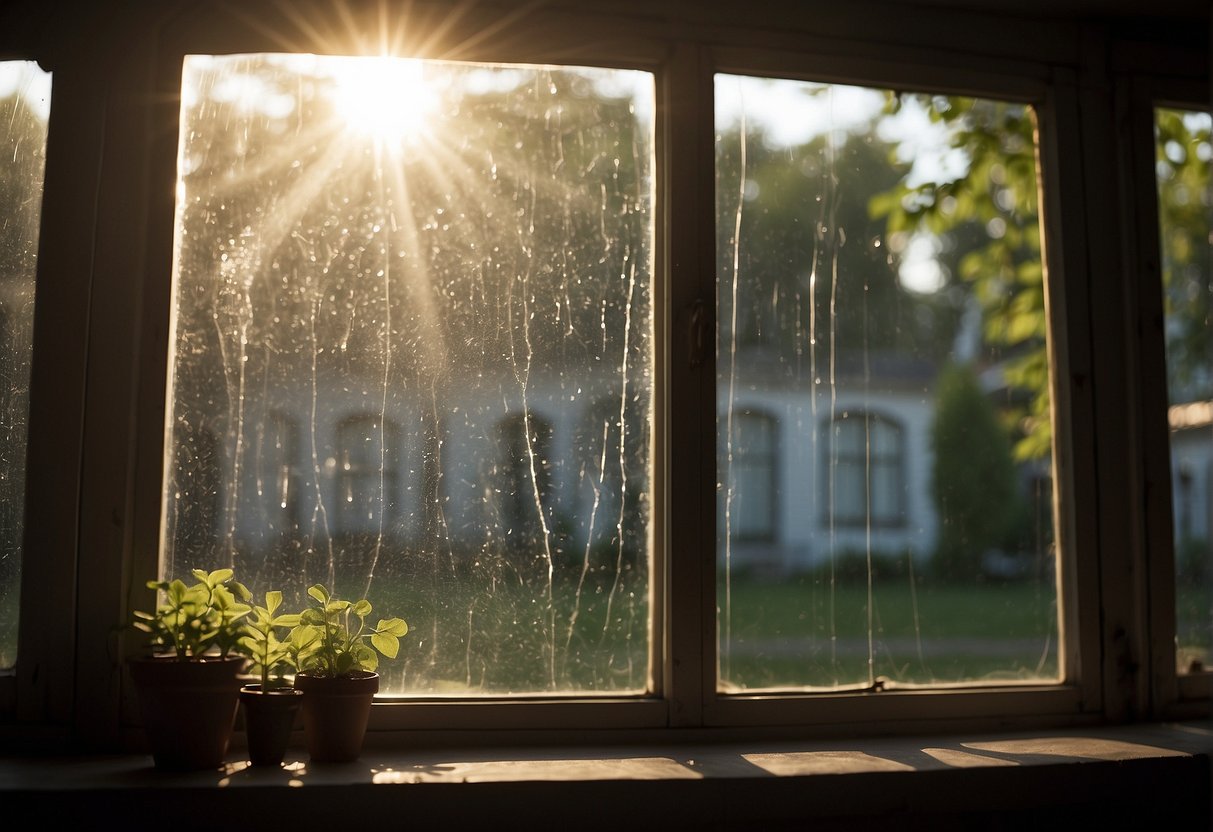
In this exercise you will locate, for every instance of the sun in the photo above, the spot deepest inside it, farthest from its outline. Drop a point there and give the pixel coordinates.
(385, 98)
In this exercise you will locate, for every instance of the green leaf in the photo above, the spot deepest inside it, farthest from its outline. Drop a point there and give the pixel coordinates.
(392, 626)
(217, 577)
(303, 636)
(285, 620)
(386, 644)
(336, 606)
(362, 608)
(365, 657)
(345, 663)
(318, 592)
(177, 592)
(273, 600)
(200, 574)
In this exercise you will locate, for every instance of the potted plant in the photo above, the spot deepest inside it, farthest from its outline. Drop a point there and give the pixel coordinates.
(270, 707)
(188, 689)
(337, 663)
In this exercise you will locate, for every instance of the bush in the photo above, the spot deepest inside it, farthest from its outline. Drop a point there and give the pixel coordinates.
(974, 481)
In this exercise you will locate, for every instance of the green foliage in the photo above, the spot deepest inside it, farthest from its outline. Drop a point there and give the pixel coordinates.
(1183, 151)
(270, 657)
(973, 482)
(989, 219)
(809, 261)
(998, 191)
(324, 644)
(205, 618)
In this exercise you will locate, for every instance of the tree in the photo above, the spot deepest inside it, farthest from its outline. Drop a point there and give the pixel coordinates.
(810, 265)
(1183, 154)
(987, 214)
(973, 482)
(991, 205)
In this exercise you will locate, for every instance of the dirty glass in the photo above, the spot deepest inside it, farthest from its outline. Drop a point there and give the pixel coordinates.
(412, 356)
(1182, 166)
(24, 108)
(880, 301)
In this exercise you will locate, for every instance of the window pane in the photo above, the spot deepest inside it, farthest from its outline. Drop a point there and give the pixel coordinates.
(1183, 155)
(24, 106)
(880, 294)
(412, 356)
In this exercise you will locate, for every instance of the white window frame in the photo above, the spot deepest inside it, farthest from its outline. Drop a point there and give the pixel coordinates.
(96, 441)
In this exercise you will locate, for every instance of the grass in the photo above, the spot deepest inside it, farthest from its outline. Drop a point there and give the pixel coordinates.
(802, 608)
(803, 633)
(794, 632)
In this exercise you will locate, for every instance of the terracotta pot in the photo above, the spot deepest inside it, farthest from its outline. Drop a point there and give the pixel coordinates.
(269, 717)
(188, 708)
(335, 714)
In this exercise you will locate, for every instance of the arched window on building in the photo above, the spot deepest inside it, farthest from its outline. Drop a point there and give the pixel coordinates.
(864, 471)
(612, 445)
(753, 487)
(368, 474)
(275, 450)
(524, 473)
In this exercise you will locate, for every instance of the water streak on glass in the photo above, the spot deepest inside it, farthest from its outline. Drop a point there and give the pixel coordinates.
(1183, 157)
(412, 356)
(885, 452)
(24, 108)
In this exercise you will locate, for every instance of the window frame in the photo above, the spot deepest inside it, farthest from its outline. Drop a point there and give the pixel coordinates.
(1173, 694)
(98, 391)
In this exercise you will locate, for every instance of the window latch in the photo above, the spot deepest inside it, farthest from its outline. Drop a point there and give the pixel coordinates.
(698, 323)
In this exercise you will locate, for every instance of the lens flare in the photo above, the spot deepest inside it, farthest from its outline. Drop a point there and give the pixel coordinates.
(385, 98)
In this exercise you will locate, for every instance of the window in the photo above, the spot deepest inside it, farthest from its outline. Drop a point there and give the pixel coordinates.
(708, 368)
(863, 475)
(276, 470)
(752, 501)
(880, 275)
(1182, 168)
(368, 476)
(423, 244)
(525, 489)
(24, 99)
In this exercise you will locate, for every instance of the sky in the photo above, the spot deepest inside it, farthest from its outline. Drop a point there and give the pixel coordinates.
(30, 82)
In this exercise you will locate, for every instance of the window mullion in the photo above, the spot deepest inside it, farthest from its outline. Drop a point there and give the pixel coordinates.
(1068, 298)
(689, 359)
(57, 389)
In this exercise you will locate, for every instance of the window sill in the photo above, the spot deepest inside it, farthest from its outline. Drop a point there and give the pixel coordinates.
(1149, 774)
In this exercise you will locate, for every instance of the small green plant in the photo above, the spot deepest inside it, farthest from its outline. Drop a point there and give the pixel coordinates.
(270, 658)
(325, 644)
(195, 620)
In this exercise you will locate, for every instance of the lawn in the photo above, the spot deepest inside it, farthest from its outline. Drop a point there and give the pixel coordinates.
(802, 633)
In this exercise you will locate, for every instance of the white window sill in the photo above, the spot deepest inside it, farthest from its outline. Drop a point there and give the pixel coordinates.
(1155, 773)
